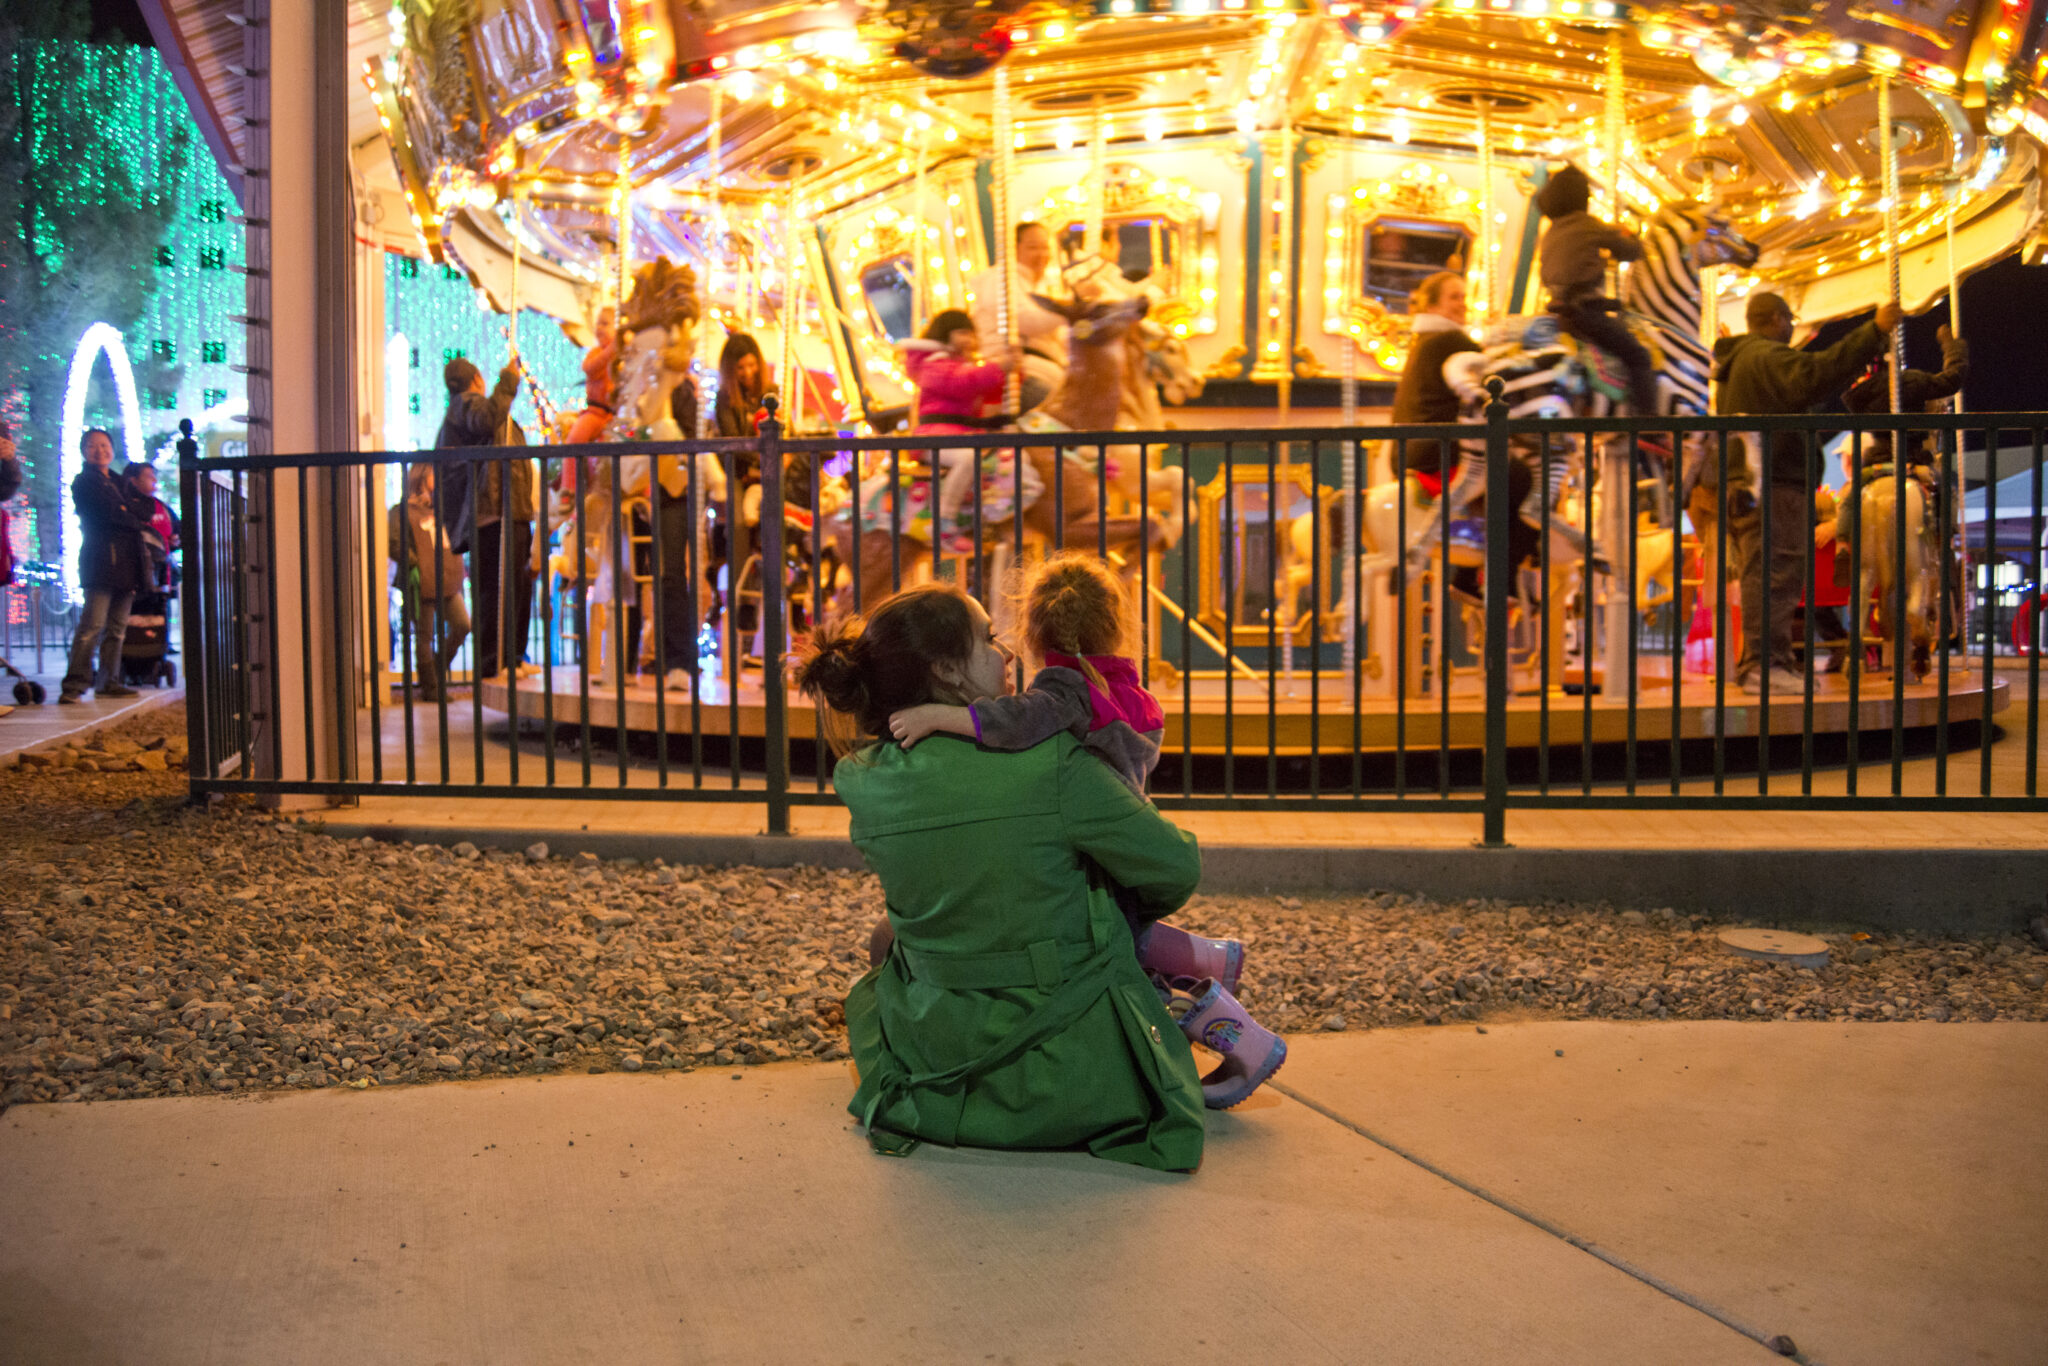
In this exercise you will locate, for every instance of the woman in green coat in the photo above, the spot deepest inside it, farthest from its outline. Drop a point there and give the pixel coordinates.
(1011, 1011)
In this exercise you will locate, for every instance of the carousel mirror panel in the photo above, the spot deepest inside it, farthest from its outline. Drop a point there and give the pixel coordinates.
(1385, 237)
(1267, 542)
(1165, 241)
(894, 267)
(889, 287)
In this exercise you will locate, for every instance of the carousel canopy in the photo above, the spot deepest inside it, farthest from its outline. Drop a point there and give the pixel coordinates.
(767, 139)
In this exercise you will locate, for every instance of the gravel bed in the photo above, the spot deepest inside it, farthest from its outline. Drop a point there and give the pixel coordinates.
(152, 948)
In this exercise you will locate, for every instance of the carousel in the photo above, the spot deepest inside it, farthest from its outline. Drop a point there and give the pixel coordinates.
(1234, 201)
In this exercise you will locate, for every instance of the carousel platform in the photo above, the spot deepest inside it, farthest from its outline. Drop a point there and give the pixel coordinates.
(1308, 714)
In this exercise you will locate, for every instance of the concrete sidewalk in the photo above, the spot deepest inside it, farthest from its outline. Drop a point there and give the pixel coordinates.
(39, 727)
(1877, 1193)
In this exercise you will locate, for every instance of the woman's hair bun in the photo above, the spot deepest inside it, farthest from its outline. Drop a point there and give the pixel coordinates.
(832, 670)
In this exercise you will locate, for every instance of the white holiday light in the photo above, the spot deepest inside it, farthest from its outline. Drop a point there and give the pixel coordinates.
(99, 339)
(398, 393)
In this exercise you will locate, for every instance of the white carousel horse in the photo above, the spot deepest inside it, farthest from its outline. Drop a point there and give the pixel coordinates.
(1872, 536)
(657, 339)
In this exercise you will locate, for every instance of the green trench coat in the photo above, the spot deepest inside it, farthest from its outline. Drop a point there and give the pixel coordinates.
(1012, 1012)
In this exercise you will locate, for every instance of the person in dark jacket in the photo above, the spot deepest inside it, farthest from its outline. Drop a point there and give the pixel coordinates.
(477, 523)
(1436, 313)
(1573, 268)
(1919, 390)
(429, 574)
(10, 482)
(1760, 373)
(112, 569)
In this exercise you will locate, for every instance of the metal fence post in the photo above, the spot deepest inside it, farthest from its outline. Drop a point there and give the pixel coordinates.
(774, 703)
(198, 571)
(1499, 575)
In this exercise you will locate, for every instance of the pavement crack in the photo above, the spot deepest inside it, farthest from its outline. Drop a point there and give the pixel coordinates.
(1530, 1217)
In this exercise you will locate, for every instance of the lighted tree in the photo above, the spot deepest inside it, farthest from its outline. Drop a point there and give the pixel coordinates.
(81, 220)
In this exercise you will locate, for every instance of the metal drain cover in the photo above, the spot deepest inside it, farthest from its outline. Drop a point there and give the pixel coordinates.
(1777, 946)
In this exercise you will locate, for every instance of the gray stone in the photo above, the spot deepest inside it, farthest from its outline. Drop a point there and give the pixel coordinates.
(537, 852)
(464, 850)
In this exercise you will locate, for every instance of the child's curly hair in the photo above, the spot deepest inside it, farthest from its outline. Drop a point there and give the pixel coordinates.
(1073, 603)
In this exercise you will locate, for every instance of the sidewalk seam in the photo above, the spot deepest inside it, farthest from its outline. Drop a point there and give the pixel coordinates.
(1586, 1245)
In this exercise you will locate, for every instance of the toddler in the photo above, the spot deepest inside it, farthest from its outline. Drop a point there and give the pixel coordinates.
(1574, 272)
(955, 392)
(1075, 613)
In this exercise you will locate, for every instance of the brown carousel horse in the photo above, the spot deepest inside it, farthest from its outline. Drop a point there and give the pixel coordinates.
(1101, 359)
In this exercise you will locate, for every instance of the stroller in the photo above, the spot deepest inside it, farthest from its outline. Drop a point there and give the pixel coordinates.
(144, 650)
(26, 690)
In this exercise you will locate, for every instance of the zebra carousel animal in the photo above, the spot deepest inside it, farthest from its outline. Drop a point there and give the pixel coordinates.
(1547, 373)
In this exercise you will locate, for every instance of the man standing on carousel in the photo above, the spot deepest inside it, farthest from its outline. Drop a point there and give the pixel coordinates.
(1760, 373)
(1041, 333)
(479, 418)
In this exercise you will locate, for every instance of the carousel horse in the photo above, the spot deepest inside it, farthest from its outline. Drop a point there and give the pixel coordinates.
(1873, 538)
(1089, 400)
(657, 340)
(1547, 373)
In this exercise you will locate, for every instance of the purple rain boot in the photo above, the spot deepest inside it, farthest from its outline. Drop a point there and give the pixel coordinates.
(1173, 953)
(1212, 1017)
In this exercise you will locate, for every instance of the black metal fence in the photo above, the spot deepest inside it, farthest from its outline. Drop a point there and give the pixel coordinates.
(1322, 635)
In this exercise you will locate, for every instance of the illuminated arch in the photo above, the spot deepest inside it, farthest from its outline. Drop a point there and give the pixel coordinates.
(99, 339)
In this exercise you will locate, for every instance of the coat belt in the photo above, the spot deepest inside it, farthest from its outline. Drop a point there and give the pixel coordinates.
(1044, 965)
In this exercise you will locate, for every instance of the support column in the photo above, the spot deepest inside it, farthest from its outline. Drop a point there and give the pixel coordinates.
(300, 226)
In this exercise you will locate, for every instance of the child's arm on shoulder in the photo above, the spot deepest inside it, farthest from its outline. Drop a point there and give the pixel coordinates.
(1056, 701)
(926, 718)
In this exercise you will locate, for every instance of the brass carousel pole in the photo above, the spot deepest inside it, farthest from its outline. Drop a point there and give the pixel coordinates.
(1098, 181)
(1006, 311)
(1349, 455)
(1890, 149)
(1617, 464)
(792, 309)
(920, 249)
(1488, 295)
(512, 317)
(707, 341)
(1615, 113)
(623, 199)
(1955, 327)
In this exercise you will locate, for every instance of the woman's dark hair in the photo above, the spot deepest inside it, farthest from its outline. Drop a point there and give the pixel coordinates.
(945, 323)
(737, 348)
(864, 669)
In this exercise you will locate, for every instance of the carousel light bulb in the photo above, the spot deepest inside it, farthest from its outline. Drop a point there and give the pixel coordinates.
(778, 97)
(1397, 131)
(742, 85)
(1055, 31)
(1247, 116)
(1739, 115)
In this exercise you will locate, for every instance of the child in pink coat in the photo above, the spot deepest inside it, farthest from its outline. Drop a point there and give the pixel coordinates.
(956, 393)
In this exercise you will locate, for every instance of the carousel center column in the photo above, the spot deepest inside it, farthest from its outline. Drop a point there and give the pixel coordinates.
(299, 227)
